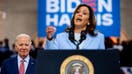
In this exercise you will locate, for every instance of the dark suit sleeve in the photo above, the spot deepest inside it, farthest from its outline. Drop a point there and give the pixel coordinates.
(4, 68)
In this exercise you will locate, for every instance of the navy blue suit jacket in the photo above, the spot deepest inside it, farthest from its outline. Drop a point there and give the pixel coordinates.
(10, 66)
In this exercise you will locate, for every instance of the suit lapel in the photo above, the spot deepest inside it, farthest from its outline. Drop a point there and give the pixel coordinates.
(72, 45)
(15, 63)
(85, 43)
(30, 66)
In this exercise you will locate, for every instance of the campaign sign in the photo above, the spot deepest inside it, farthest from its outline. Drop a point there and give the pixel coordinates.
(58, 13)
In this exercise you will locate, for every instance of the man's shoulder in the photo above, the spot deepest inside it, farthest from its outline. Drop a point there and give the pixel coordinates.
(9, 60)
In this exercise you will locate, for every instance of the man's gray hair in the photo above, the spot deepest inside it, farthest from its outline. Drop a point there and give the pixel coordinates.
(23, 35)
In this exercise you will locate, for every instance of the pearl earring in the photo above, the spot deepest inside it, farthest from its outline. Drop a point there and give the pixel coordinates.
(88, 23)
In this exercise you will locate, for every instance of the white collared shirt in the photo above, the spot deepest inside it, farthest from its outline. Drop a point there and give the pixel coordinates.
(26, 61)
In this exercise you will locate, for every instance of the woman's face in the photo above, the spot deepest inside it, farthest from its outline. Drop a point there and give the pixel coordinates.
(81, 16)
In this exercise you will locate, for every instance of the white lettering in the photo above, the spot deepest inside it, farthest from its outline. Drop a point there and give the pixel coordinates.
(53, 19)
(63, 6)
(64, 20)
(106, 5)
(98, 17)
(52, 6)
(70, 3)
(107, 20)
(60, 5)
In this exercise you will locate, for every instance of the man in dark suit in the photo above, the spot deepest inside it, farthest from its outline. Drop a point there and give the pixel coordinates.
(22, 63)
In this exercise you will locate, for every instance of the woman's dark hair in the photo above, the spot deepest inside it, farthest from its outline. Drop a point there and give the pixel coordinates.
(92, 22)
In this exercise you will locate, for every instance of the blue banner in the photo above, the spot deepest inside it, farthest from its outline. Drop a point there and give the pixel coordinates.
(58, 13)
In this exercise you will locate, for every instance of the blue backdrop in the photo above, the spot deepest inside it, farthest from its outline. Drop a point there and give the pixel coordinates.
(58, 13)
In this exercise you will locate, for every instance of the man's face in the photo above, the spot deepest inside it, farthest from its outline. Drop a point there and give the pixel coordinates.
(23, 46)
